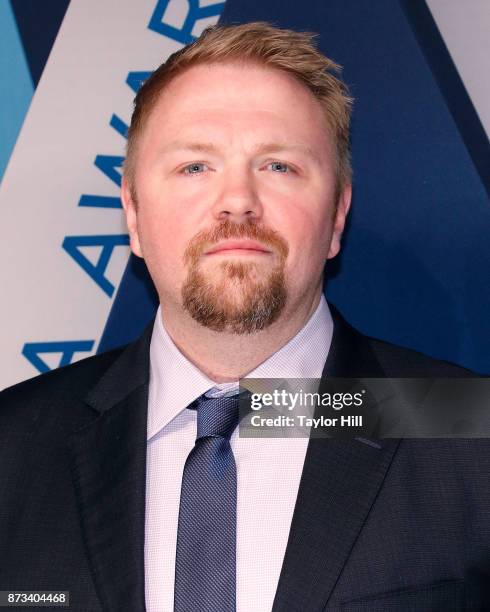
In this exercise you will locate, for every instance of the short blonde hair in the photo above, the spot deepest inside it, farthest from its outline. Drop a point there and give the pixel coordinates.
(292, 52)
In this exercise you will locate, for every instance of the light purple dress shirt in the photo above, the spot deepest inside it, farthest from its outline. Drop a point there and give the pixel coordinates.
(268, 469)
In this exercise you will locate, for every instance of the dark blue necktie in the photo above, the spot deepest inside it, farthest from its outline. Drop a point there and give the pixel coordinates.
(205, 568)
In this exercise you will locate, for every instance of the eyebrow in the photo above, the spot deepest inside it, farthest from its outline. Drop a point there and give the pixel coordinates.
(261, 149)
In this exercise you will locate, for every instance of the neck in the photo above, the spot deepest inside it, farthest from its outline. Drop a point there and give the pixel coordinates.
(227, 357)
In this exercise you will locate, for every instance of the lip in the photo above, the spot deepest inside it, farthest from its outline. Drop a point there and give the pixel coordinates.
(238, 246)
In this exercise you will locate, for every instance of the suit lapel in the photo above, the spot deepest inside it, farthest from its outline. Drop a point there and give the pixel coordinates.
(339, 484)
(108, 462)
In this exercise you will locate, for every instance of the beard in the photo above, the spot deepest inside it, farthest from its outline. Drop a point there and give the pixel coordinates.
(236, 296)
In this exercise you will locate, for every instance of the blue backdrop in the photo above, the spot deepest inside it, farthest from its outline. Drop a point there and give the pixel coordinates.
(414, 268)
(415, 263)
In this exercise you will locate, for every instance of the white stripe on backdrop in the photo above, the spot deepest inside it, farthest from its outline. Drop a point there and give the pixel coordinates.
(55, 305)
(57, 300)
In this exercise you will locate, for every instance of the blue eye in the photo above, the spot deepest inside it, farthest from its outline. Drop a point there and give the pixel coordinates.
(280, 167)
(196, 168)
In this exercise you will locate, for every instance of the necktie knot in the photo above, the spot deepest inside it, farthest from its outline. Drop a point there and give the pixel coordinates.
(216, 416)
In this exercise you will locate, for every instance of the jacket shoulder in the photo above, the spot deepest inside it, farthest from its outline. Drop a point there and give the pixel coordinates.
(399, 362)
(65, 386)
(363, 356)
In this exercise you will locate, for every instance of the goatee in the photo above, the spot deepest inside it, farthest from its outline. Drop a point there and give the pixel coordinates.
(242, 298)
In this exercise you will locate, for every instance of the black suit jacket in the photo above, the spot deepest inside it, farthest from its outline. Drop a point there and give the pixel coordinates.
(399, 525)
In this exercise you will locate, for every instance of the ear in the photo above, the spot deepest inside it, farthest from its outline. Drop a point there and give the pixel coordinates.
(131, 213)
(341, 213)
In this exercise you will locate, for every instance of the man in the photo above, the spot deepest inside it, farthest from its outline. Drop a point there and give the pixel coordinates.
(236, 191)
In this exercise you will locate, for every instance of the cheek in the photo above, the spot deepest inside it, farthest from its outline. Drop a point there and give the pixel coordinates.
(308, 234)
(169, 217)
(160, 238)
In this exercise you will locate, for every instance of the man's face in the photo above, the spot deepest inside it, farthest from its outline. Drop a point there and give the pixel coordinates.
(235, 187)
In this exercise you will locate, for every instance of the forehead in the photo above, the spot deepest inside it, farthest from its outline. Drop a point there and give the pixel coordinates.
(237, 101)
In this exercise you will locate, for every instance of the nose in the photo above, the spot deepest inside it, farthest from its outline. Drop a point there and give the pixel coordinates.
(237, 200)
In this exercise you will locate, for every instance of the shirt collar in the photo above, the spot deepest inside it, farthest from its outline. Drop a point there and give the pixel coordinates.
(175, 382)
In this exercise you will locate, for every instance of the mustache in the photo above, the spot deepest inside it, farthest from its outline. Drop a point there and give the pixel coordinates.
(227, 230)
